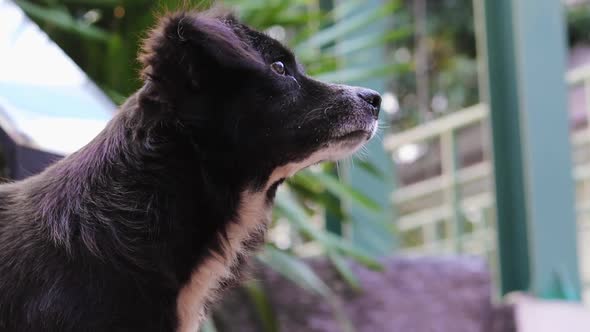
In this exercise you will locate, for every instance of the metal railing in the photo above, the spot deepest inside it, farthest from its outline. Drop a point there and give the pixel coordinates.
(455, 211)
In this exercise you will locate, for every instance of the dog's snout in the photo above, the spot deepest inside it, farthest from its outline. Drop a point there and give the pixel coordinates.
(372, 98)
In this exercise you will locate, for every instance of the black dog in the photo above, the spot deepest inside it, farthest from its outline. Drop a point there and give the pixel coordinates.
(140, 229)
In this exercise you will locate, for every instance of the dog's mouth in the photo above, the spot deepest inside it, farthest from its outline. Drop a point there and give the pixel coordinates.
(341, 144)
(349, 138)
(356, 133)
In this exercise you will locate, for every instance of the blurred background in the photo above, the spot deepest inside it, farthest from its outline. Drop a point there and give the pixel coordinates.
(477, 186)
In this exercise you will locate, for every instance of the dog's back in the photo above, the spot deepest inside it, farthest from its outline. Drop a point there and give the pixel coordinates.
(64, 264)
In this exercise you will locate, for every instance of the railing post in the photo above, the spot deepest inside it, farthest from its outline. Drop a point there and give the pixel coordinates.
(533, 170)
(449, 160)
(586, 86)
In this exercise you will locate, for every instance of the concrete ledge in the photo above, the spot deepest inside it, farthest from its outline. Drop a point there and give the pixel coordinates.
(412, 294)
(533, 315)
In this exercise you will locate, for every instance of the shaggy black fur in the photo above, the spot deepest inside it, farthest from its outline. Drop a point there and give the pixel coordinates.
(104, 239)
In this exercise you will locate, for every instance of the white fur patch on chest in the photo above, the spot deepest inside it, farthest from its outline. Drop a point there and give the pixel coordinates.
(253, 213)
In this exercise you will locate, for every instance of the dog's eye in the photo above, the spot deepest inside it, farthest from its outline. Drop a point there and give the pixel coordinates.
(278, 67)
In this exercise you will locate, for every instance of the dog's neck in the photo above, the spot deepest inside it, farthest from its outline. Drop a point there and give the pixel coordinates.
(137, 173)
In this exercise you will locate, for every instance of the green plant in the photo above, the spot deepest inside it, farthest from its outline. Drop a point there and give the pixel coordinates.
(102, 36)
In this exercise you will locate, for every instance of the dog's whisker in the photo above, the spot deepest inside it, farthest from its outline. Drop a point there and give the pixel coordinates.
(338, 170)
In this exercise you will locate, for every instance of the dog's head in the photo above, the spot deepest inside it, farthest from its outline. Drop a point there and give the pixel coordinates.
(246, 102)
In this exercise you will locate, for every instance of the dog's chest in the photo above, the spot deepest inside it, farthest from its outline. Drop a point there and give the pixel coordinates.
(210, 275)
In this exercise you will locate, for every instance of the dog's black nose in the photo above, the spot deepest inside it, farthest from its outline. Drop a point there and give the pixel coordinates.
(372, 98)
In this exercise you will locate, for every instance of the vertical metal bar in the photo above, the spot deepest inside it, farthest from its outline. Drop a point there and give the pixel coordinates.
(429, 234)
(421, 56)
(534, 186)
(587, 104)
(481, 48)
(482, 67)
(449, 170)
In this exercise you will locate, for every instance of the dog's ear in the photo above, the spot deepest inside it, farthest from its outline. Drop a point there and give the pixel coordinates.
(188, 48)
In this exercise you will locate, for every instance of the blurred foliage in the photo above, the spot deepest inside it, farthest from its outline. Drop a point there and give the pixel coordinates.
(103, 36)
(451, 61)
(578, 18)
(452, 67)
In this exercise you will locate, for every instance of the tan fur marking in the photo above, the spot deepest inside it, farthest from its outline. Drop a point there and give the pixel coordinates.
(253, 211)
(205, 279)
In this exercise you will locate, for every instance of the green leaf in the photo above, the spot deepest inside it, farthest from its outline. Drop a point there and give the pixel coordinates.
(350, 46)
(346, 26)
(115, 96)
(295, 270)
(62, 19)
(358, 74)
(369, 168)
(345, 8)
(343, 191)
(317, 197)
(301, 274)
(262, 305)
(349, 249)
(326, 18)
(344, 270)
(96, 3)
(285, 206)
(208, 326)
(263, 14)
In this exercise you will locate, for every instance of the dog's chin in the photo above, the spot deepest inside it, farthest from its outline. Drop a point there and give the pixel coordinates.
(348, 139)
(340, 146)
(344, 141)
(353, 133)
